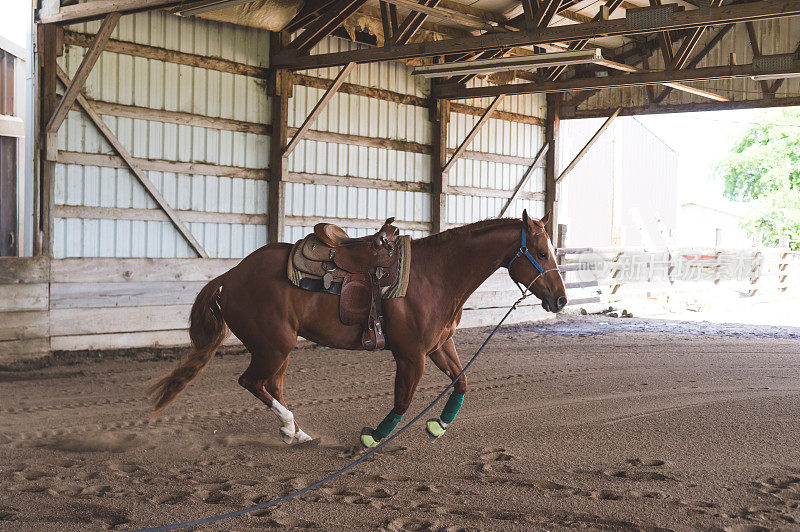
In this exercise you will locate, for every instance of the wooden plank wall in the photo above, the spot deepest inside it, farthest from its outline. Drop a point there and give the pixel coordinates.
(104, 304)
(24, 308)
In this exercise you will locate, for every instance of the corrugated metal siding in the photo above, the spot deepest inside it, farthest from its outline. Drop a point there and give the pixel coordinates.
(499, 137)
(774, 37)
(124, 79)
(368, 117)
(648, 171)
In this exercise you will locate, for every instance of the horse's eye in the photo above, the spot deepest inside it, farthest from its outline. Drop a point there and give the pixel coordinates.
(542, 255)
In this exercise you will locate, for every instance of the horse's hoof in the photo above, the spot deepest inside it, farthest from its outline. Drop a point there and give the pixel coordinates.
(434, 429)
(288, 439)
(368, 440)
(302, 437)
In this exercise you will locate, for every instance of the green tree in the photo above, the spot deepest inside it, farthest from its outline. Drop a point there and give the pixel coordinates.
(763, 169)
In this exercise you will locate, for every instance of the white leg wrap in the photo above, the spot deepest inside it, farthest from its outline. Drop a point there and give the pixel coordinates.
(301, 436)
(286, 417)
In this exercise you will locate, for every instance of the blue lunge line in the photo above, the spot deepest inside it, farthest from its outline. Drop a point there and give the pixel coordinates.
(363, 457)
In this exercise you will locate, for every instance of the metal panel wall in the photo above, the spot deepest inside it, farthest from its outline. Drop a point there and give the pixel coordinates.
(775, 36)
(498, 137)
(129, 80)
(632, 187)
(368, 117)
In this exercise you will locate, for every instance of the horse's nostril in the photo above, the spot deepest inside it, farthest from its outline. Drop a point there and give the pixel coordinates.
(561, 302)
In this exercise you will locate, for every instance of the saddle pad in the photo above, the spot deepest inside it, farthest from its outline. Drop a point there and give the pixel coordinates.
(397, 289)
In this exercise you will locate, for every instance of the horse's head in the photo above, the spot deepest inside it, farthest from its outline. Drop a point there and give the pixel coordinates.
(546, 284)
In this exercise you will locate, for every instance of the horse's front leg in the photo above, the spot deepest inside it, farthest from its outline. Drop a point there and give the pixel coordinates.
(409, 372)
(446, 359)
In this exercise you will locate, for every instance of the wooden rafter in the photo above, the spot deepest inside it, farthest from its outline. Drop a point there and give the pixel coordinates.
(537, 162)
(699, 57)
(432, 9)
(471, 136)
(310, 11)
(636, 78)
(664, 40)
(689, 43)
(324, 25)
(764, 9)
(386, 23)
(323, 102)
(529, 10)
(751, 33)
(411, 24)
(140, 175)
(588, 145)
(611, 6)
(87, 64)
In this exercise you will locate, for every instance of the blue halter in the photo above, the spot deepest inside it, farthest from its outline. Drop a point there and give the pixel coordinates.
(523, 252)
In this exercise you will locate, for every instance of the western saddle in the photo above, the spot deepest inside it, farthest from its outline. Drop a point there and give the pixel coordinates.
(355, 269)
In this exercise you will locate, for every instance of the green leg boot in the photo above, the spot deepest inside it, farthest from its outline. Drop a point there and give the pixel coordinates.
(372, 437)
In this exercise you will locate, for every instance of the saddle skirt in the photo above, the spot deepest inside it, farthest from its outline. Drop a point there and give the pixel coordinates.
(360, 271)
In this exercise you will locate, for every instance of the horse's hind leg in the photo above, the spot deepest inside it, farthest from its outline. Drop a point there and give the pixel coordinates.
(446, 359)
(264, 379)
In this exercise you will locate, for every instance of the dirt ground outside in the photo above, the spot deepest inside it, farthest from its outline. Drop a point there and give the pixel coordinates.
(583, 422)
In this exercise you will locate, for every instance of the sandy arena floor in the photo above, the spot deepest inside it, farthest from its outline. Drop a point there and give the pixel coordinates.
(592, 423)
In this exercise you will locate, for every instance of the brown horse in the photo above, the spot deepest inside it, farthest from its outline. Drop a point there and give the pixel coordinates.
(267, 313)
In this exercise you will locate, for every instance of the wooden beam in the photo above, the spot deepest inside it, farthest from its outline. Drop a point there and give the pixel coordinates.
(529, 10)
(310, 221)
(696, 59)
(95, 10)
(524, 179)
(552, 133)
(323, 102)
(639, 78)
(278, 162)
(440, 116)
(123, 152)
(160, 165)
(386, 23)
(44, 187)
(325, 24)
(471, 136)
(610, 6)
(751, 33)
(430, 8)
(76, 86)
(764, 9)
(75, 38)
(664, 40)
(588, 146)
(690, 107)
(412, 23)
(310, 11)
(125, 213)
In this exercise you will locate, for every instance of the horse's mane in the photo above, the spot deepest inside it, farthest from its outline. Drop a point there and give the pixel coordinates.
(482, 225)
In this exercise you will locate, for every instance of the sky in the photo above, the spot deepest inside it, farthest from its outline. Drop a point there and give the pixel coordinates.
(15, 22)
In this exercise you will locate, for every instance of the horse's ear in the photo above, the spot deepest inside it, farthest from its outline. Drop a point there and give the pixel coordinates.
(546, 218)
(525, 216)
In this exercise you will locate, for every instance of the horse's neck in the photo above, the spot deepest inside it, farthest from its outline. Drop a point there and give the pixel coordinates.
(467, 259)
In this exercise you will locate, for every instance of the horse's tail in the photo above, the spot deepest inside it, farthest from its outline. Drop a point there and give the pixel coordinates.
(207, 332)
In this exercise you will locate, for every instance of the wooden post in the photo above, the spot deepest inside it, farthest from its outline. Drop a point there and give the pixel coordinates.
(278, 162)
(440, 116)
(551, 134)
(48, 100)
(561, 243)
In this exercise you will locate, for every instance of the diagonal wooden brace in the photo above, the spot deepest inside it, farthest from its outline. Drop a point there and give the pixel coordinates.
(75, 87)
(537, 162)
(138, 172)
(323, 102)
(588, 145)
(481, 122)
